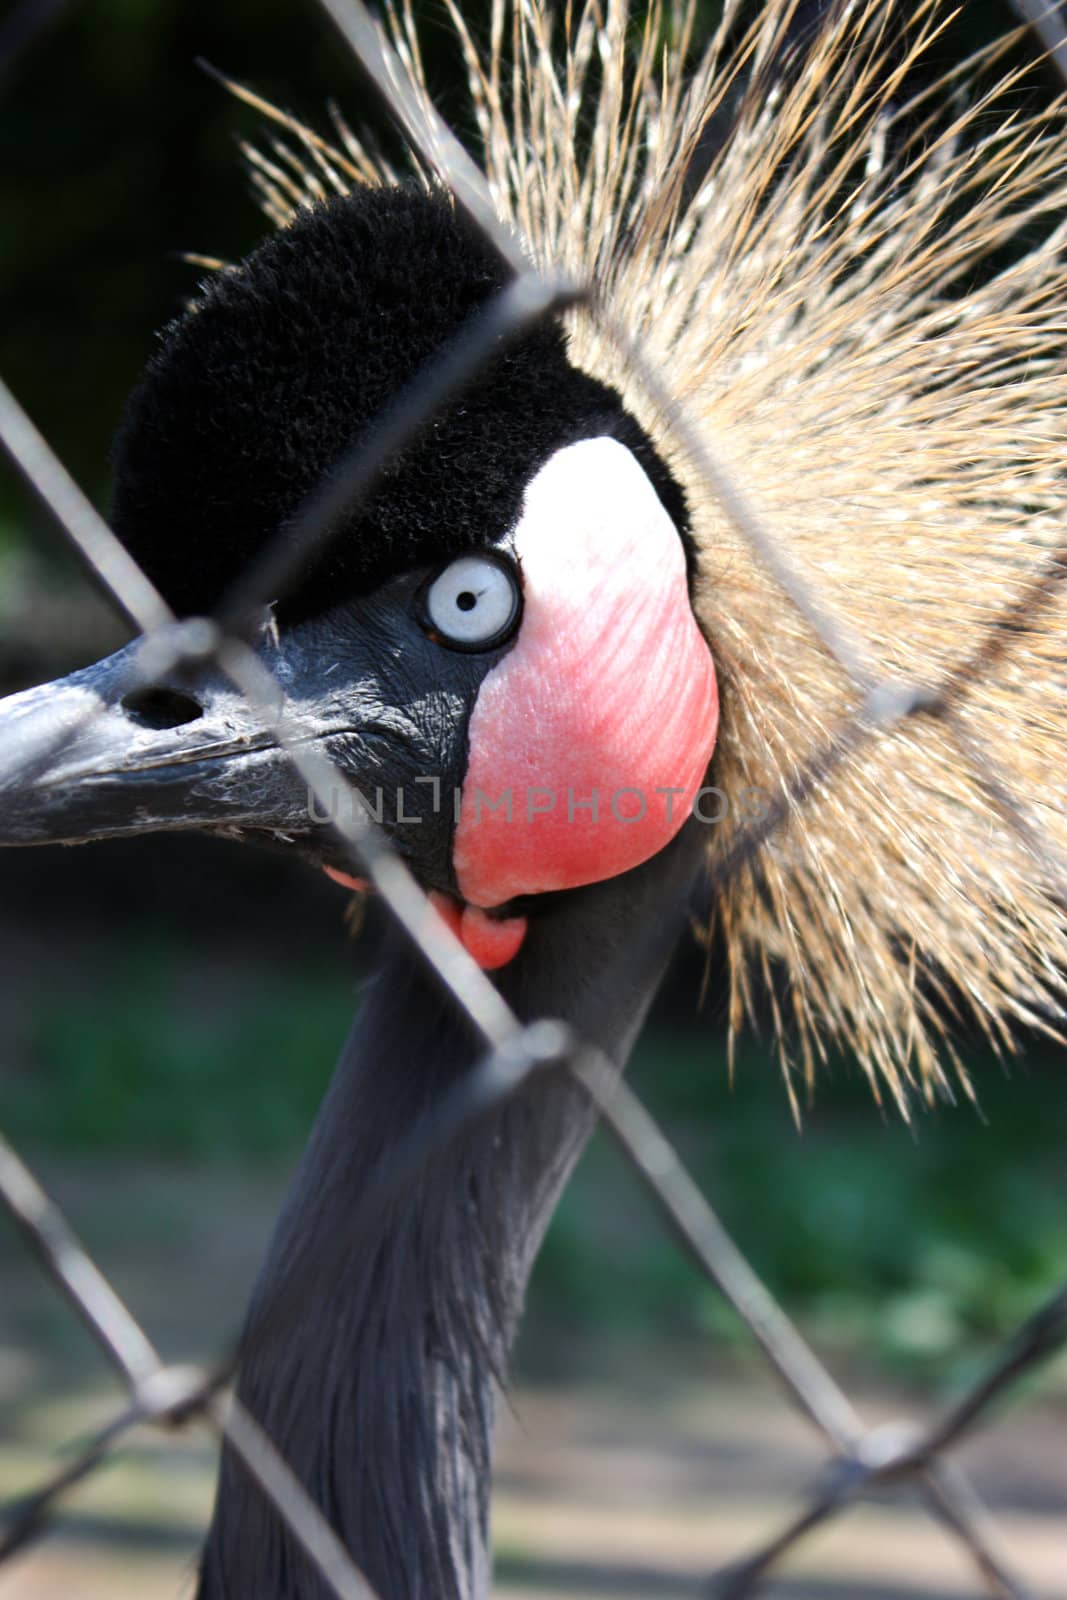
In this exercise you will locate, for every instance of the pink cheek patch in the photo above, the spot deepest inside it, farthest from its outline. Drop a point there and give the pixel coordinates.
(590, 739)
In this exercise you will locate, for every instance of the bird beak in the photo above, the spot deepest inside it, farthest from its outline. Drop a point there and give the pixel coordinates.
(99, 754)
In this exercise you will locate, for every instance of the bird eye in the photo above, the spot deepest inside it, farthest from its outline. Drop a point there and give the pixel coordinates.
(474, 603)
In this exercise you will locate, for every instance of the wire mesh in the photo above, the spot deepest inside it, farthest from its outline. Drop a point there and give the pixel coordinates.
(860, 1458)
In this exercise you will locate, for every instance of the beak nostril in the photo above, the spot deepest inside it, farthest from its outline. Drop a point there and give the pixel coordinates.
(159, 708)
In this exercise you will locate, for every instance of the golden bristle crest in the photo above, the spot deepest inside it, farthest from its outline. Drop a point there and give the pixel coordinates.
(860, 306)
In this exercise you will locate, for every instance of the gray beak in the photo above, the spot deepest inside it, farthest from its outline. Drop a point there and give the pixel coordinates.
(100, 754)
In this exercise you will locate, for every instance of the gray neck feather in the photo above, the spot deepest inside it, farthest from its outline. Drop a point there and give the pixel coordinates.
(380, 1389)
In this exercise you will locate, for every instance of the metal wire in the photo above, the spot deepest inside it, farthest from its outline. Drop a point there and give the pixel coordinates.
(159, 1395)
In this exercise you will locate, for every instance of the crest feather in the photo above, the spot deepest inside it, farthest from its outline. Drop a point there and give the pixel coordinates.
(857, 293)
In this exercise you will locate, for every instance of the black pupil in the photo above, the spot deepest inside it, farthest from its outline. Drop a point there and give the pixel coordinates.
(466, 601)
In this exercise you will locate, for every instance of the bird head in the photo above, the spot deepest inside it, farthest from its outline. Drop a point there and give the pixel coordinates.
(497, 649)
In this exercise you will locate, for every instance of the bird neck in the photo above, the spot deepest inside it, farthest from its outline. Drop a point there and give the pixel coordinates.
(379, 1387)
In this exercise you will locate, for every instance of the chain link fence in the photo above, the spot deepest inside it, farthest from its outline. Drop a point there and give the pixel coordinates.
(859, 1460)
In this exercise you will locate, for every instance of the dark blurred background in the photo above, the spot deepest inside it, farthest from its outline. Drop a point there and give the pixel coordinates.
(170, 1009)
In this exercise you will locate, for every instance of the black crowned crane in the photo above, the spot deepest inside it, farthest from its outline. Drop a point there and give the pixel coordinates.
(536, 611)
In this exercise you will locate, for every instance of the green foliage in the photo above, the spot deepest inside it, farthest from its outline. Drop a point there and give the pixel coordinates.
(916, 1245)
(162, 1058)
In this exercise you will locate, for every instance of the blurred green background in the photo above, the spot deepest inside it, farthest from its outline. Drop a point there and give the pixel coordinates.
(911, 1248)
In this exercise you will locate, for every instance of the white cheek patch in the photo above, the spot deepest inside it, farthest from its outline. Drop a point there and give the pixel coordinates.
(590, 738)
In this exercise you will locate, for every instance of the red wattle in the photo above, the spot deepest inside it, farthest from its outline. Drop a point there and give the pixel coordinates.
(491, 942)
(590, 739)
(449, 910)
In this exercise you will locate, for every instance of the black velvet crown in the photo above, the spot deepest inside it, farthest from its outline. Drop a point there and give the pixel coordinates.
(282, 364)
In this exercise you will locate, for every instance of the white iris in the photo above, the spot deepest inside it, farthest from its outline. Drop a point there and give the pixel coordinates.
(473, 602)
